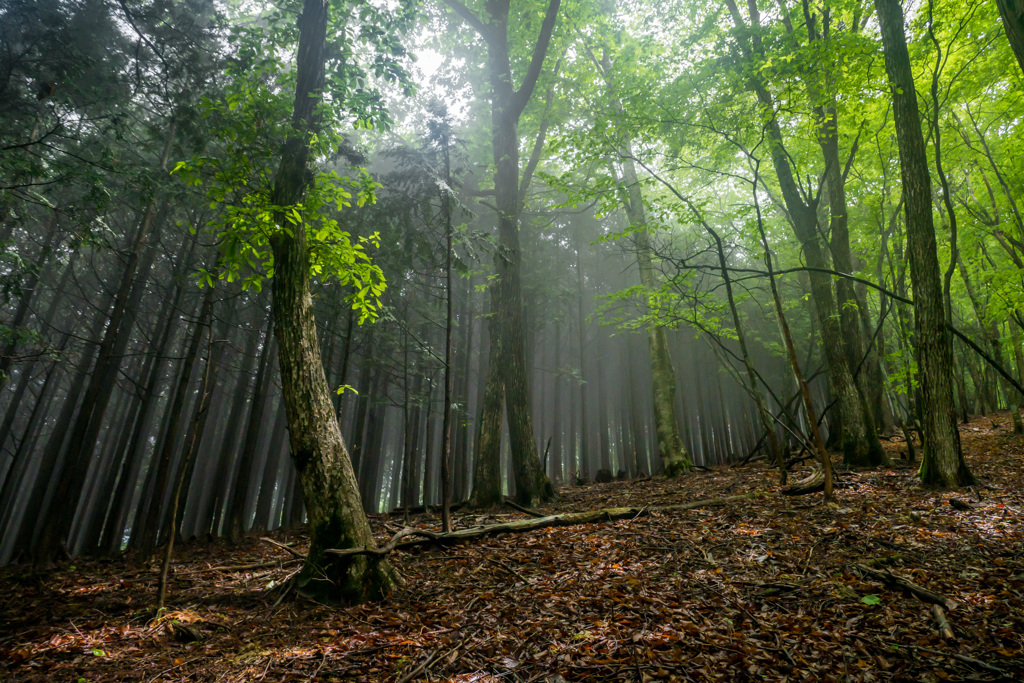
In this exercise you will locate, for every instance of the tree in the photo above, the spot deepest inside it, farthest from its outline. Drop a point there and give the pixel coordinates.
(943, 461)
(286, 227)
(507, 105)
(1012, 12)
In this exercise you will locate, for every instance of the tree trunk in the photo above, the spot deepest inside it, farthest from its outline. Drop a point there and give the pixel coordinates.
(1012, 12)
(58, 519)
(487, 471)
(507, 105)
(237, 504)
(330, 491)
(942, 463)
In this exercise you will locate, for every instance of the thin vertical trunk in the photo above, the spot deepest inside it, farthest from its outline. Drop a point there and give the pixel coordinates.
(449, 376)
(583, 468)
(237, 503)
(156, 513)
(812, 415)
(58, 519)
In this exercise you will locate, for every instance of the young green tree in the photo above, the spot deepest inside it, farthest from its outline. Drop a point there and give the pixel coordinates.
(279, 223)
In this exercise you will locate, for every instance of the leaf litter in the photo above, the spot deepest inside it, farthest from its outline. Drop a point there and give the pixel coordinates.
(774, 588)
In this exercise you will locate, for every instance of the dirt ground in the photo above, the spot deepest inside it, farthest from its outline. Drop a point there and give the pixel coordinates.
(765, 589)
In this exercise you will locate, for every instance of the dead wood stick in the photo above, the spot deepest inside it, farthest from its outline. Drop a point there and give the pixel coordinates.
(526, 525)
(283, 547)
(510, 570)
(416, 672)
(512, 504)
(906, 584)
(963, 658)
(254, 565)
(940, 618)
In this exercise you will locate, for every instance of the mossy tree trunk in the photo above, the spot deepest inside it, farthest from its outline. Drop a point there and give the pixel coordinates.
(329, 488)
(943, 462)
(507, 105)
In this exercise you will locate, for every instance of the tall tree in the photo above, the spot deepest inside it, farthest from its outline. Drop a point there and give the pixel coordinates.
(943, 461)
(507, 105)
(1012, 12)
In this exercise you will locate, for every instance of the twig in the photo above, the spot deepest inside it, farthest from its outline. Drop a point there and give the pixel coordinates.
(906, 584)
(963, 658)
(254, 565)
(416, 672)
(283, 547)
(512, 504)
(508, 569)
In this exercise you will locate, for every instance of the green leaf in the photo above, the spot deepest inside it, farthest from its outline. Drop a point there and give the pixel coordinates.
(871, 600)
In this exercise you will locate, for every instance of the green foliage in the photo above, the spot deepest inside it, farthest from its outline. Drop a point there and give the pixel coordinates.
(249, 122)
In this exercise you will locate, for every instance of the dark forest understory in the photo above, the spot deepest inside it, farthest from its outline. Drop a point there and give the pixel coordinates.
(766, 589)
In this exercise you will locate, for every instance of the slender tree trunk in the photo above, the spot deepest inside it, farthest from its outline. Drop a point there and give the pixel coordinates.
(191, 448)
(237, 503)
(812, 414)
(58, 519)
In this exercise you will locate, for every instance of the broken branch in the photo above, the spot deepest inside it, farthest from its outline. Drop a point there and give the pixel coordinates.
(526, 525)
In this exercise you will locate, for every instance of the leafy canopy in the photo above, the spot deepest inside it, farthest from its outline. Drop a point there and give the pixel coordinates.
(249, 122)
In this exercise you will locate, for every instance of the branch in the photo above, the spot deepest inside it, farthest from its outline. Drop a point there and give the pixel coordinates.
(538, 146)
(526, 525)
(521, 96)
(468, 16)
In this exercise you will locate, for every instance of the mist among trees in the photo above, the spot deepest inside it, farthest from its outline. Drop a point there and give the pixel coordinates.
(274, 264)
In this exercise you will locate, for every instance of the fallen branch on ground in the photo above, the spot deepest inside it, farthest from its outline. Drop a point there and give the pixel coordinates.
(921, 592)
(525, 510)
(943, 623)
(283, 547)
(525, 525)
(812, 484)
(253, 565)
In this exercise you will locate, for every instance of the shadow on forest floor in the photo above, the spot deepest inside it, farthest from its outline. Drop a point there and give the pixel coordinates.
(759, 590)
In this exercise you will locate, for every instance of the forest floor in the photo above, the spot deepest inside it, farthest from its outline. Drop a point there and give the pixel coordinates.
(765, 589)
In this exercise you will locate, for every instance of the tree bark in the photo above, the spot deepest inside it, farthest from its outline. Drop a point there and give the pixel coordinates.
(942, 463)
(330, 490)
(1012, 12)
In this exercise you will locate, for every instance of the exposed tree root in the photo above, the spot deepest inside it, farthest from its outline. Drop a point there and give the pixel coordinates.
(525, 525)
